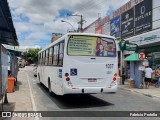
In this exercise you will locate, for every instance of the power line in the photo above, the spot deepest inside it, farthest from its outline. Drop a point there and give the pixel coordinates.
(91, 6)
(86, 4)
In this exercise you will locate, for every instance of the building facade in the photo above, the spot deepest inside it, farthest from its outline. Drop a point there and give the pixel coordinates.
(138, 21)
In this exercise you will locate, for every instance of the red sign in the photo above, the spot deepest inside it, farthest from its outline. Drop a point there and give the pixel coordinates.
(141, 55)
(98, 30)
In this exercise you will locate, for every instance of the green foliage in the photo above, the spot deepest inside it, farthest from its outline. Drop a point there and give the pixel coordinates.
(31, 55)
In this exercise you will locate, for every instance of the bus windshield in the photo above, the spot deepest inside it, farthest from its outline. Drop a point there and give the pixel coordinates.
(91, 46)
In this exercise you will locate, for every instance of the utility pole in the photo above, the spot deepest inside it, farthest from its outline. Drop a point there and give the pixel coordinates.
(81, 21)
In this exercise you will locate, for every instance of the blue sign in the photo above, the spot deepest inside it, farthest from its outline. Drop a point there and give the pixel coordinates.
(73, 72)
(115, 27)
(60, 73)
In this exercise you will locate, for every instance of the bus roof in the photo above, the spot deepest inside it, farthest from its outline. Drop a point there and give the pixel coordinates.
(68, 34)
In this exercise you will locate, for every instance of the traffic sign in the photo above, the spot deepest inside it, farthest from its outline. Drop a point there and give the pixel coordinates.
(141, 55)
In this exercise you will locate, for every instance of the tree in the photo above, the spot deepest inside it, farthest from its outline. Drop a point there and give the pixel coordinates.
(31, 55)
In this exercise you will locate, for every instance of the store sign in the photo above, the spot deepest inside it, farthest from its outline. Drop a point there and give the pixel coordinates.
(127, 46)
(131, 47)
(127, 23)
(115, 27)
(143, 16)
(146, 38)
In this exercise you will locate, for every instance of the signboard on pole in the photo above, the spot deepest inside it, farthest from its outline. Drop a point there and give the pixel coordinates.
(127, 46)
(143, 16)
(141, 56)
(127, 23)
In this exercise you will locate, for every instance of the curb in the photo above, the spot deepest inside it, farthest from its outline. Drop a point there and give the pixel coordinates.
(148, 95)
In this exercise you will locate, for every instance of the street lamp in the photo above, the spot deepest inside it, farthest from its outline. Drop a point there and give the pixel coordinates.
(68, 23)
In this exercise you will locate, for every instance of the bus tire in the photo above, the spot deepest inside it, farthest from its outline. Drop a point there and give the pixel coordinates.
(49, 87)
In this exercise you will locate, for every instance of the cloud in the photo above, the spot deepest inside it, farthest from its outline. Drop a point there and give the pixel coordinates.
(39, 18)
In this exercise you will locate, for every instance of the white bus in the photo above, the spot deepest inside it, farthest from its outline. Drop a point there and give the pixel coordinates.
(79, 63)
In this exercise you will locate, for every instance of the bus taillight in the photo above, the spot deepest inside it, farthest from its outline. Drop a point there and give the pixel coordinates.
(67, 79)
(114, 79)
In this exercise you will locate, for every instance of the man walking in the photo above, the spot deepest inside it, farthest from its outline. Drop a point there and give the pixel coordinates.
(148, 76)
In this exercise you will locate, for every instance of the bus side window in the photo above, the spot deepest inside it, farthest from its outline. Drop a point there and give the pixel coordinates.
(41, 58)
(55, 56)
(50, 55)
(57, 52)
(46, 61)
(44, 57)
(61, 51)
(40, 55)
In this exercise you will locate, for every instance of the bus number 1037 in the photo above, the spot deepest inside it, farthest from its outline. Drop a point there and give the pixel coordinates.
(109, 66)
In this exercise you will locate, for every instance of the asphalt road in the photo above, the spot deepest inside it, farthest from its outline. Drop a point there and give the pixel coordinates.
(121, 101)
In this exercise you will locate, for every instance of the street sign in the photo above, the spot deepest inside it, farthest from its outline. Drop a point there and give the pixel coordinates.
(141, 55)
(124, 45)
(131, 47)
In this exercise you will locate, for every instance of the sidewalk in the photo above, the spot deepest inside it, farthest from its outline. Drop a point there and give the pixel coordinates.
(151, 92)
(20, 100)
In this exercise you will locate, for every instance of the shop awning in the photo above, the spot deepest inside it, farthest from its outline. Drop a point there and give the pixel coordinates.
(7, 31)
(132, 57)
(16, 53)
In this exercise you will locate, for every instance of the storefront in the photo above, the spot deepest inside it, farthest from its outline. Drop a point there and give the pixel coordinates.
(7, 36)
(149, 43)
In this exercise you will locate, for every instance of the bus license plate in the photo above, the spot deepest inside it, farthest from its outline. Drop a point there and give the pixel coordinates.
(92, 80)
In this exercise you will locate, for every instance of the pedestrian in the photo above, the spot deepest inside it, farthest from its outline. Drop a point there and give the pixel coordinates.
(157, 75)
(148, 76)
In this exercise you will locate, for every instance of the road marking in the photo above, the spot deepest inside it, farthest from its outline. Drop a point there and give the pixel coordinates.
(31, 94)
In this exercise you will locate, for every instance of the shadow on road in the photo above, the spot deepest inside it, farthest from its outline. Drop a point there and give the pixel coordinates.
(75, 101)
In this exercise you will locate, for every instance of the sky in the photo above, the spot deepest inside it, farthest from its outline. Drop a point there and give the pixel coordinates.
(36, 20)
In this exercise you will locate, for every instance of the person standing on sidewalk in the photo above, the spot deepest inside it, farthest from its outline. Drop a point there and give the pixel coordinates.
(148, 76)
(157, 75)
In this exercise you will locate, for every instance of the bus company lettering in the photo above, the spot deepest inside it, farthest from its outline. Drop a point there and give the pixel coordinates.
(109, 66)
